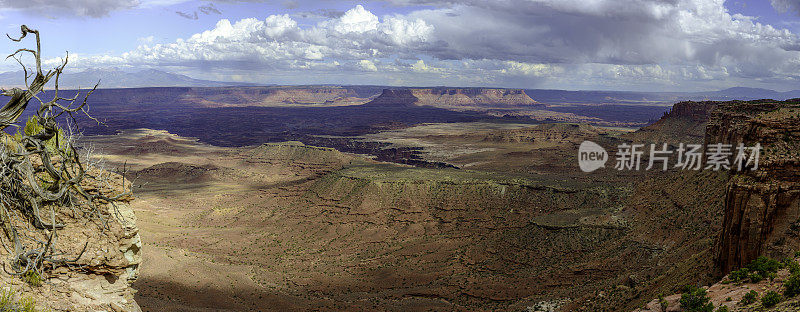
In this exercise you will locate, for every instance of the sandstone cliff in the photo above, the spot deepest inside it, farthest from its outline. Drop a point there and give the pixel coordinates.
(762, 207)
(107, 249)
(685, 123)
(279, 96)
(557, 133)
(456, 98)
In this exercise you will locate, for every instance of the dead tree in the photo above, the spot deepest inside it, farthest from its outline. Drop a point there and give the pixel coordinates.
(41, 171)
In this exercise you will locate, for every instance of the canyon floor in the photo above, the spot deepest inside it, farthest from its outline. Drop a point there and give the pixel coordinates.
(286, 226)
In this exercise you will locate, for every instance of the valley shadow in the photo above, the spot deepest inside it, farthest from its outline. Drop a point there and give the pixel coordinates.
(165, 295)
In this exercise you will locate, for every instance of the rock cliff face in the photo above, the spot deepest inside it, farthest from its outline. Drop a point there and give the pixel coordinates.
(279, 96)
(456, 98)
(473, 97)
(557, 133)
(762, 207)
(685, 123)
(108, 253)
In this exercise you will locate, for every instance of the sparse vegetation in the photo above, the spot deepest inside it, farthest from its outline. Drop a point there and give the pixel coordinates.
(42, 171)
(749, 298)
(695, 299)
(9, 303)
(770, 299)
(663, 303)
(32, 278)
(722, 308)
(761, 268)
(792, 285)
(793, 266)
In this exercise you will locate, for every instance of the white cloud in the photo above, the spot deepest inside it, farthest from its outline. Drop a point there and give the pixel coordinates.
(357, 20)
(649, 43)
(146, 40)
(277, 42)
(277, 25)
(528, 69)
(367, 65)
(421, 67)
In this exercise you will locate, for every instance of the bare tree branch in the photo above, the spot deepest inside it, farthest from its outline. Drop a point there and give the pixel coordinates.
(40, 169)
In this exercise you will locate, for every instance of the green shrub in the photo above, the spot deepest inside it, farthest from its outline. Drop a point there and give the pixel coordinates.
(694, 299)
(739, 275)
(32, 278)
(663, 302)
(793, 266)
(10, 304)
(722, 308)
(749, 298)
(54, 145)
(755, 277)
(770, 299)
(792, 285)
(6, 298)
(27, 305)
(760, 268)
(764, 264)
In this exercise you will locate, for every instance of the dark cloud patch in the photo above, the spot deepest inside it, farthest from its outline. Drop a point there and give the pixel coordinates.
(207, 9)
(607, 43)
(626, 33)
(321, 14)
(191, 16)
(784, 6)
(70, 8)
(290, 5)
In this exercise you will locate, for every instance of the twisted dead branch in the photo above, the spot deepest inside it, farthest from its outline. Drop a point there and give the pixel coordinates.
(41, 171)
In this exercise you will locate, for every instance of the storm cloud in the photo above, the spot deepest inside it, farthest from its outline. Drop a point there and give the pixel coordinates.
(54, 8)
(631, 44)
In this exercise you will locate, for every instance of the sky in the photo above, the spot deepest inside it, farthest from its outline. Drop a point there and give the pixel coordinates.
(640, 45)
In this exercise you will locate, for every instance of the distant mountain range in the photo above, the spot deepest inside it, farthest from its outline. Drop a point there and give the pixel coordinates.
(115, 78)
(742, 93)
(631, 97)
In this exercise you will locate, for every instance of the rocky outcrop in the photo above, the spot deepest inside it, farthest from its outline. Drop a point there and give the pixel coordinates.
(762, 207)
(107, 247)
(279, 96)
(297, 156)
(456, 98)
(473, 97)
(685, 123)
(698, 111)
(394, 98)
(556, 133)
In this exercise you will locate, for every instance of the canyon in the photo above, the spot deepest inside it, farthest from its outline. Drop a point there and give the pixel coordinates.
(315, 200)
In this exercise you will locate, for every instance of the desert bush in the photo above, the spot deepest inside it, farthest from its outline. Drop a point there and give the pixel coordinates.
(9, 303)
(41, 171)
(695, 299)
(722, 308)
(764, 264)
(770, 299)
(793, 266)
(749, 298)
(760, 268)
(32, 278)
(663, 303)
(792, 285)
